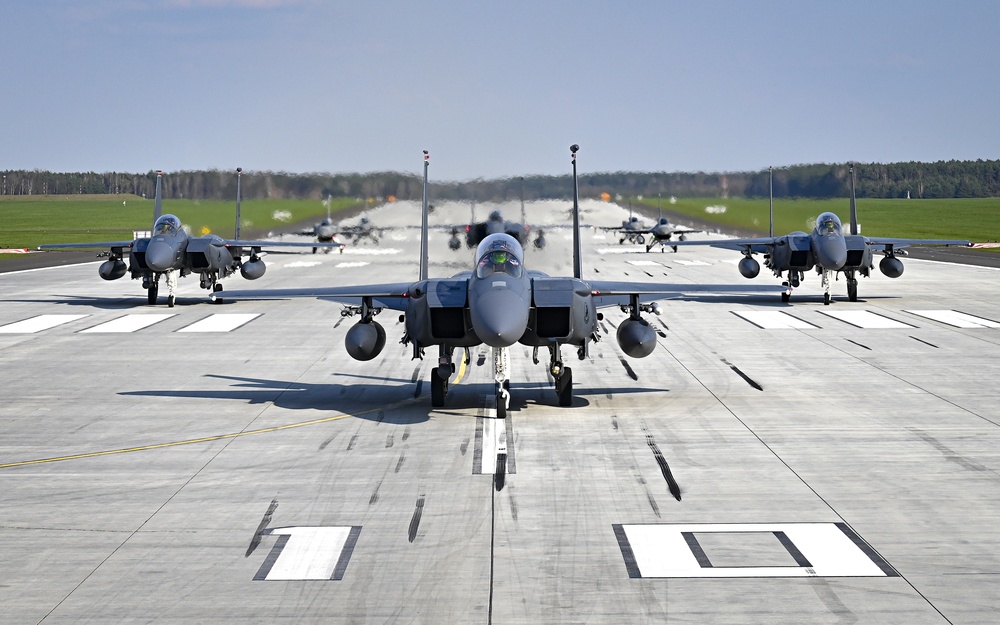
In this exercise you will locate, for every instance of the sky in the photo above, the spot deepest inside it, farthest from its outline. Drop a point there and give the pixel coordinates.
(494, 89)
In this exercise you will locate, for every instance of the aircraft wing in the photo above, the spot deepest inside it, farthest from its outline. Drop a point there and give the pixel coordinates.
(759, 244)
(392, 296)
(882, 243)
(83, 246)
(612, 293)
(274, 244)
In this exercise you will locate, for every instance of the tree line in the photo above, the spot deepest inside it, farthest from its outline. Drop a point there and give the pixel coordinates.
(942, 179)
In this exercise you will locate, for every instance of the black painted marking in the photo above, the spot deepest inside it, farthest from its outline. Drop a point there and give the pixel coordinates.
(477, 452)
(868, 551)
(399, 463)
(614, 421)
(513, 502)
(672, 485)
(628, 368)
(797, 555)
(500, 474)
(596, 270)
(625, 272)
(353, 441)
(663, 323)
(389, 439)
(858, 344)
(260, 527)
(271, 558)
(696, 550)
(415, 520)
(627, 554)
(339, 321)
(406, 433)
(324, 444)
(925, 342)
(661, 333)
(746, 378)
(374, 496)
(748, 320)
(647, 273)
(481, 361)
(465, 446)
(509, 429)
(346, 552)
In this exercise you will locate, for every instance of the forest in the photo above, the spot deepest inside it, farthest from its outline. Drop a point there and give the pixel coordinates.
(942, 179)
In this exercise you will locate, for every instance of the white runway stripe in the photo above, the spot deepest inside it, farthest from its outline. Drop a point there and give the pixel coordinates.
(865, 319)
(774, 320)
(129, 323)
(691, 263)
(37, 324)
(220, 322)
(955, 318)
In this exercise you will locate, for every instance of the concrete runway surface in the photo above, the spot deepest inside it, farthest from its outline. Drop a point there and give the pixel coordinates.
(229, 463)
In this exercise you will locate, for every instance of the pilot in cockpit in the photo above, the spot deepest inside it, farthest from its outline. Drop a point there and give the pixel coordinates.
(498, 261)
(829, 225)
(166, 225)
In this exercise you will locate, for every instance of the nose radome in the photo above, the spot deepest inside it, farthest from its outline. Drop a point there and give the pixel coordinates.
(499, 318)
(159, 256)
(832, 252)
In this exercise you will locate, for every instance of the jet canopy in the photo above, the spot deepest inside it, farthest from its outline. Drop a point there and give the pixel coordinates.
(827, 224)
(167, 225)
(499, 254)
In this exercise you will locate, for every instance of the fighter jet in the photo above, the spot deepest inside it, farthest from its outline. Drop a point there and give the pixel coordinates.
(171, 253)
(363, 230)
(495, 223)
(826, 248)
(498, 303)
(325, 232)
(634, 231)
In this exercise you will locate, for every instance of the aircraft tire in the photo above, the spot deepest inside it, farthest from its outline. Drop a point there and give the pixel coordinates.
(826, 299)
(852, 290)
(438, 390)
(170, 301)
(785, 297)
(501, 406)
(640, 239)
(151, 295)
(564, 387)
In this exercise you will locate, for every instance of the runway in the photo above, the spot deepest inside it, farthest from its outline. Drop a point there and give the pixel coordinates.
(229, 463)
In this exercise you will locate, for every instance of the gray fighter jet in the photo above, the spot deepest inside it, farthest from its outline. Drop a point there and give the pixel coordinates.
(499, 303)
(826, 248)
(171, 253)
(661, 233)
(325, 232)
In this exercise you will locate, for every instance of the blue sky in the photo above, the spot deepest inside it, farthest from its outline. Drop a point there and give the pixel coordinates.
(494, 89)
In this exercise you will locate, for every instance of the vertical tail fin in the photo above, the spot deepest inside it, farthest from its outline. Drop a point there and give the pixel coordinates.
(577, 247)
(770, 206)
(423, 222)
(524, 219)
(854, 203)
(239, 174)
(158, 198)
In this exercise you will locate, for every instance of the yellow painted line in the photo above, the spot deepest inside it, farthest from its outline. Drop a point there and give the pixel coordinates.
(192, 441)
(461, 372)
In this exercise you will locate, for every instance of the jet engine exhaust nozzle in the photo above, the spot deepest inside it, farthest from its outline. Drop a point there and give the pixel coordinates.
(365, 341)
(636, 338)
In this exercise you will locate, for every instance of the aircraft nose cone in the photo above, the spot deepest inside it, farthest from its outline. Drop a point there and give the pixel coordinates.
(499, 317)
(159, 255)
(832, 252)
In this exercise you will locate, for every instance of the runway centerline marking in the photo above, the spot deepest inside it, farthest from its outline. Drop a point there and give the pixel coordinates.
(37, 324)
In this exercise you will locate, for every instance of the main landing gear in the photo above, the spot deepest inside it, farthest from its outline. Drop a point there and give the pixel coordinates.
(441, 374)
(152, 285)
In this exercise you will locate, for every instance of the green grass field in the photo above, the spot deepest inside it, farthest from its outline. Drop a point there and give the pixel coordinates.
(29, 221)
(977, 220)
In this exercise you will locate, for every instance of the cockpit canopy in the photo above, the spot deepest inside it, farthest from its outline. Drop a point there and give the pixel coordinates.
(500, 256)
(167, 225)
(827, 224)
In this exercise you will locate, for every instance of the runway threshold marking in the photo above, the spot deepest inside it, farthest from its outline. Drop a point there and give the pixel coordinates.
(37, 324)
(865, 319)
(748, 550)
(774, 320)
(192, 441)
(128, 323)
(220, 322)
(955, 318)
